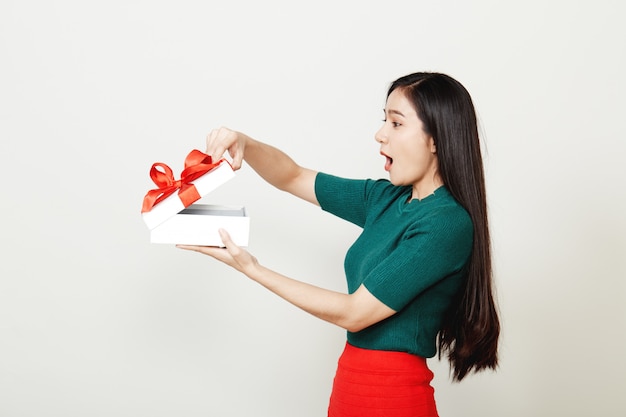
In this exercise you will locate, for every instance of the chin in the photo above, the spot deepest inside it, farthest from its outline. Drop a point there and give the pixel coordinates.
(396, 181)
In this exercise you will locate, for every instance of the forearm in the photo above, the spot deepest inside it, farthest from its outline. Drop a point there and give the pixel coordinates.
(352, 312)
(272, 164)
(331, 306)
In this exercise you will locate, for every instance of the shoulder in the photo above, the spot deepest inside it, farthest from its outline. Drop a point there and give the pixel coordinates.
(444, 216)
(383, 192)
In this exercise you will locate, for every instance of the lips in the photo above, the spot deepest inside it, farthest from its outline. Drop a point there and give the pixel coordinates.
(388, 161)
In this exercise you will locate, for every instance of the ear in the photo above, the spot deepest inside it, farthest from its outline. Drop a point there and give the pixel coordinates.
(431, 145)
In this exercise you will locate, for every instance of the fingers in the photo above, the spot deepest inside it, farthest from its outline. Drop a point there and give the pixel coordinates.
(209, 250)
(226, 239)
(234, 250)
(220, 140)
(213, 251)
(230, 249)
(215, 143)
(237, 155)
(232, 255)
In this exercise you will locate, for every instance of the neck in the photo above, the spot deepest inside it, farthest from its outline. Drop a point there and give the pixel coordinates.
(426, 187)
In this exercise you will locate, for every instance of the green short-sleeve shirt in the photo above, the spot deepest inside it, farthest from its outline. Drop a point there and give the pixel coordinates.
(412, 255)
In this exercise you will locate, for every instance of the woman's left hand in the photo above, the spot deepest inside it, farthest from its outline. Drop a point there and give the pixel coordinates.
(231, 255)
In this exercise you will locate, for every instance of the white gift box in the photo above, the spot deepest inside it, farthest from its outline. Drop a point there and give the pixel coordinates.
(171, 222)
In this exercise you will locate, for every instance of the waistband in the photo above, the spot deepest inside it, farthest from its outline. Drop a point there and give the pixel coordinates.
(381, 360)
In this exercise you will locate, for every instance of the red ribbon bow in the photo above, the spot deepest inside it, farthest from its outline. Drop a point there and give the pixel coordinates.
(196, 165)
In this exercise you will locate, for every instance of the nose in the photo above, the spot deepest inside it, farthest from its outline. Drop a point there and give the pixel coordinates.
(380, 136)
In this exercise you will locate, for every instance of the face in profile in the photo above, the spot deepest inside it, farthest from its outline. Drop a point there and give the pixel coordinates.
(410, 153)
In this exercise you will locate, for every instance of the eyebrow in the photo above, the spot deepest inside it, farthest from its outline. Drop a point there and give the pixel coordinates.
(393, 112)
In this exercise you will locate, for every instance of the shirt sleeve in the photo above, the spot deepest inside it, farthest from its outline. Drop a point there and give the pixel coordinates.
(426, 255)
(345, 198)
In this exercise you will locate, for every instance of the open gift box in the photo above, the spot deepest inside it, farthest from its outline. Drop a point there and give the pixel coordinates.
(173, 214)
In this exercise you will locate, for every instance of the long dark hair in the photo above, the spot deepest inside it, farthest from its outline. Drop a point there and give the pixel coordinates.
(470, 331)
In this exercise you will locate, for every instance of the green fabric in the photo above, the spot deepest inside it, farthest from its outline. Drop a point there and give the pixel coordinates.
(412, 255)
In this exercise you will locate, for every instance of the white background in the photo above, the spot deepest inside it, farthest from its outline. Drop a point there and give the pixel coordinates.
(96, 321)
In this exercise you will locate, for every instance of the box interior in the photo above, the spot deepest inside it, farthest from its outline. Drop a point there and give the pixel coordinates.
(213, 210)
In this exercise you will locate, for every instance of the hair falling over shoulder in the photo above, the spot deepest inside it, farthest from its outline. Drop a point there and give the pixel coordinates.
(471, 328)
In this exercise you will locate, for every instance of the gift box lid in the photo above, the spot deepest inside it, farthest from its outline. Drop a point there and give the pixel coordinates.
(199, 178)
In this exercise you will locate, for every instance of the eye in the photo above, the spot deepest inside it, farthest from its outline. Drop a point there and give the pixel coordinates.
(394, 124)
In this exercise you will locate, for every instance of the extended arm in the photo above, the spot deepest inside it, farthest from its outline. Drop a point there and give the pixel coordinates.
(352, 312)
(273, 165)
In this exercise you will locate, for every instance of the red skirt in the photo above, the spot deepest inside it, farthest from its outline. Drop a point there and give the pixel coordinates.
(375, 383)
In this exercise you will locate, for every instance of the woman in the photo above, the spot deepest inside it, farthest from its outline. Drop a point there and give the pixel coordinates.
(419, 275)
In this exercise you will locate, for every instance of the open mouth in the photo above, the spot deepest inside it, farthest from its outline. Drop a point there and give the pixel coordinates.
(388, 161)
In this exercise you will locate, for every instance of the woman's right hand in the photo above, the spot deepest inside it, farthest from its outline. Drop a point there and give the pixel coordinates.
(223, 139)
